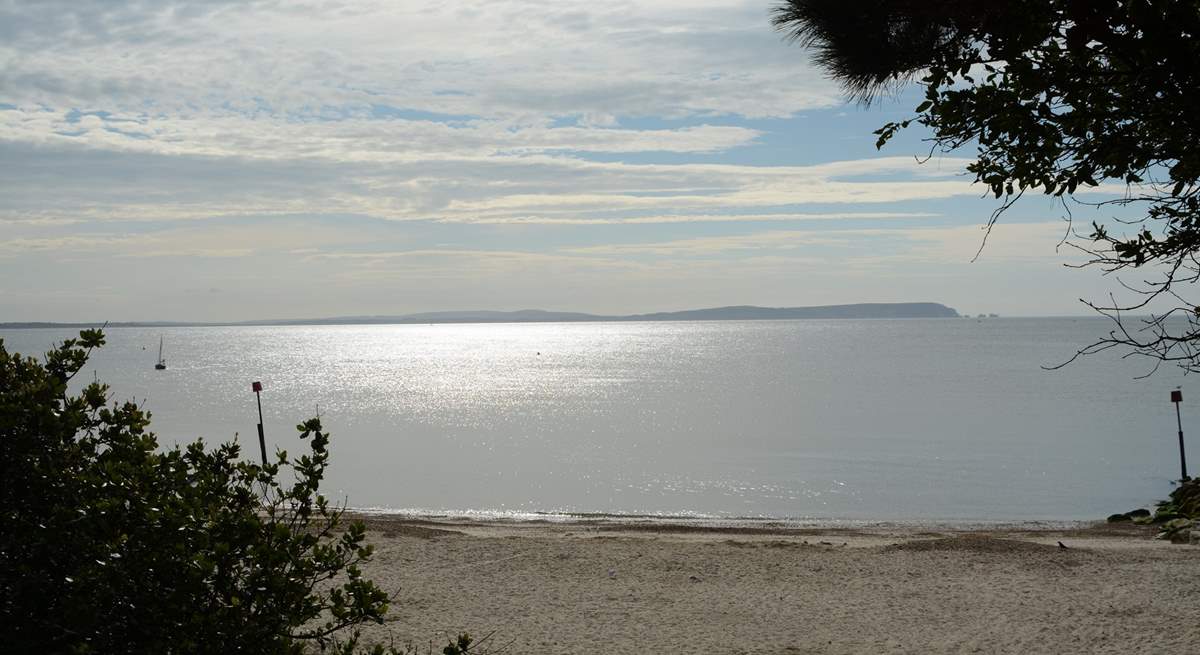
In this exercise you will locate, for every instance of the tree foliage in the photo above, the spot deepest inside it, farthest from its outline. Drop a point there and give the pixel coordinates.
(1054, 96)
(109, 544)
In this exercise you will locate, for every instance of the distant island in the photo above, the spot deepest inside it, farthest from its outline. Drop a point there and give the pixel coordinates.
(735, 313)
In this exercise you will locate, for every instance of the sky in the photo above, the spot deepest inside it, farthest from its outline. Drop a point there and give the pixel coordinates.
(235, 160)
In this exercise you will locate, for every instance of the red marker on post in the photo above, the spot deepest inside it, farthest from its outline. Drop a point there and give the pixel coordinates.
(262, 442)
(1177, 397)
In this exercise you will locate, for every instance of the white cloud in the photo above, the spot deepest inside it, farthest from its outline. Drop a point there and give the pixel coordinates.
(55, 183)
(209, 241)
(351, 139)
(466, 111)
(700, 218)
(1008, 242)
(388, 109)
(75, 243)
(288, 138)
(495, 59)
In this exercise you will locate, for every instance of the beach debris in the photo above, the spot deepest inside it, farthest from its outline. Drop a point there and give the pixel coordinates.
(612, 574)
(694, 578)
(826, 543)
(1062, 545)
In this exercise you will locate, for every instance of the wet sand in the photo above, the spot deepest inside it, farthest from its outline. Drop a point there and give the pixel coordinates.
(611, 587)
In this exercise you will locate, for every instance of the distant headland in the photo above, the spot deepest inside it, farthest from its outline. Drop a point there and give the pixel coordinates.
(735, 313)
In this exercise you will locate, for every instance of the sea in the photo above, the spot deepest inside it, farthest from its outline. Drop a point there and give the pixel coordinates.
(828, 421)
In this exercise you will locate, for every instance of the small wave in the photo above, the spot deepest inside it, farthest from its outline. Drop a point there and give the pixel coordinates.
(699, 520)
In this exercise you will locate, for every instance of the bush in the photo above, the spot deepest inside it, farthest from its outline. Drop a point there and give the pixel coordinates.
(109, 544)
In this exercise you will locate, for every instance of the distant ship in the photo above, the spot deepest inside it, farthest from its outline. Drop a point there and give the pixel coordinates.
(162, 363)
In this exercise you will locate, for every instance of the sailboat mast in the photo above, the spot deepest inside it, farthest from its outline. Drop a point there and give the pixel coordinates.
(161, 364)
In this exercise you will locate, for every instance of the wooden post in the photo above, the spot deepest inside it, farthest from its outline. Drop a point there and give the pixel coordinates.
(1177, 397)
(262, 441)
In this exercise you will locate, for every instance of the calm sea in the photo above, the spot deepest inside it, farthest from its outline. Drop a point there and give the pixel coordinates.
(885, 419)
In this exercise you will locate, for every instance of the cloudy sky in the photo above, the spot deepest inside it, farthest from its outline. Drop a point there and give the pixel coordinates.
(258, 159)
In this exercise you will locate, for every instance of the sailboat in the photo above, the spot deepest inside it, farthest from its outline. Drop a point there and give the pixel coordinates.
(162, 363)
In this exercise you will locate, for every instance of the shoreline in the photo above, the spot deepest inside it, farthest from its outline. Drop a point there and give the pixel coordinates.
(703, 521)
(864, 533)
(630, 587)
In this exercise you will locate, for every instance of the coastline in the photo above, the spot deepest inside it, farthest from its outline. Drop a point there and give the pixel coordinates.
(700, 521)
(617, 586)
(869, 310)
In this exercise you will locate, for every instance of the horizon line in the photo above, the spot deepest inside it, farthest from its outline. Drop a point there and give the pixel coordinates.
(526, 315)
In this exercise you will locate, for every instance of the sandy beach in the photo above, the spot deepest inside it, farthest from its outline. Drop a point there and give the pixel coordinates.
(608, 587)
